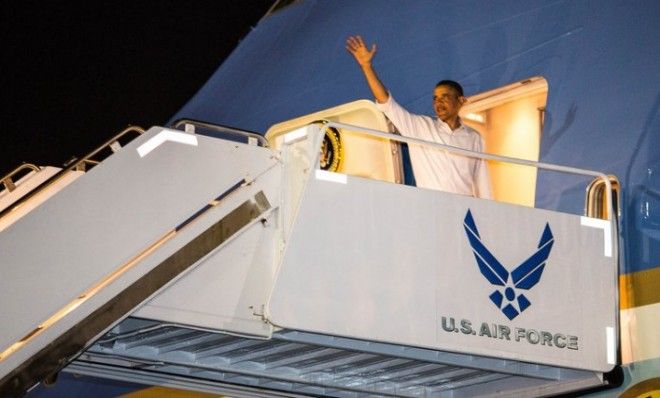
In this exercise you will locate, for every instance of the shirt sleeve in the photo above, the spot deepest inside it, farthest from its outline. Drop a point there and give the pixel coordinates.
(481, 177)
(407, 123)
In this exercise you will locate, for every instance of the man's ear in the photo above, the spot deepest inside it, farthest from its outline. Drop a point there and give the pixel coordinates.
(462, 100)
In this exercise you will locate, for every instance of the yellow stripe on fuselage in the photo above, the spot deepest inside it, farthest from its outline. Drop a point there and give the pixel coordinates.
(160, 392)
(639, 288)
(640, 315)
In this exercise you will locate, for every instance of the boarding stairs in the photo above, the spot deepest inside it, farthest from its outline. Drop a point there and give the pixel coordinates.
(194, 260)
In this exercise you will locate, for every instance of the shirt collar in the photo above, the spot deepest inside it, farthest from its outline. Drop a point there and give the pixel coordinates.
(445, 126)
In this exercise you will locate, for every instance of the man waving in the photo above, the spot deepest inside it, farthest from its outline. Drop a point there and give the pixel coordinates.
(433, 168)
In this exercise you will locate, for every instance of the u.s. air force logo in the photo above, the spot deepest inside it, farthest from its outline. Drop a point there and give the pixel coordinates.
(507, 297)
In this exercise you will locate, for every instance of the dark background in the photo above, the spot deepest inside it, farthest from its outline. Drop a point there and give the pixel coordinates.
(75, 73)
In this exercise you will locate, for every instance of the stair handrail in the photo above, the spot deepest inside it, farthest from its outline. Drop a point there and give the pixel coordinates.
(8, 181)
(613, 224)
(479, 155)
(74, 164)
(220, 128)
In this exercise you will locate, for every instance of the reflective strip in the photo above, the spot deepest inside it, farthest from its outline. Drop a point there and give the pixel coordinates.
(611, 345)
(295, 135)
(607, 231)
(164, 136)
(332, 177)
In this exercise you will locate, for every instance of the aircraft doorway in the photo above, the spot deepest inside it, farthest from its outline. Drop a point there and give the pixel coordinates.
(510, 119)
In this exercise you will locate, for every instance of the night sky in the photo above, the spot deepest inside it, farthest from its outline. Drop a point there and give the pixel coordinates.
(75, 73)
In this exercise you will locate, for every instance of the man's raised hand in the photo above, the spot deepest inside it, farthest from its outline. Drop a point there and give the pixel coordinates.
(355, 45)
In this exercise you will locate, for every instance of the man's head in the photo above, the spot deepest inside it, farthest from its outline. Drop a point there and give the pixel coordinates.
(447, 101)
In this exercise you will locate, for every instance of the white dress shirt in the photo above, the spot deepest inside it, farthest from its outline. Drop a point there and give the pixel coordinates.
(436, 168)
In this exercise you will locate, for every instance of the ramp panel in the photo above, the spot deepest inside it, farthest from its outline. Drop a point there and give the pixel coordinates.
(300, 363)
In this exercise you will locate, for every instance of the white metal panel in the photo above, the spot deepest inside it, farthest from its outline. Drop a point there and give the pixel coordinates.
(386, 262)
(228, 289)
(111, 214)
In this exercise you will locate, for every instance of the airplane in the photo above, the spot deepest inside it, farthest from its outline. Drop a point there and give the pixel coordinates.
(270, 240)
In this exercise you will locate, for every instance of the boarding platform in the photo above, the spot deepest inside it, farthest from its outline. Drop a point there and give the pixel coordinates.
(205, 258)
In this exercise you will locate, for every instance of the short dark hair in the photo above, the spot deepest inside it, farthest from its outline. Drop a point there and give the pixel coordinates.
(451, 84)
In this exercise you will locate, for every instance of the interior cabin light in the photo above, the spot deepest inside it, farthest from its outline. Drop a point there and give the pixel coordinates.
(475, 117)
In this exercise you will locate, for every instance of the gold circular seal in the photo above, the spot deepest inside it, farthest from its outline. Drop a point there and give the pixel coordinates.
(331, 150)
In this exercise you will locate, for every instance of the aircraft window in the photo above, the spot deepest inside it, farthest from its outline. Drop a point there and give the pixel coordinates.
(510, 119)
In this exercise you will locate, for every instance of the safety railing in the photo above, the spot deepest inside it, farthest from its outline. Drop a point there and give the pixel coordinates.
(110, 146)
(9, 181)
(83, 164)
(606, 181)
(190, 125)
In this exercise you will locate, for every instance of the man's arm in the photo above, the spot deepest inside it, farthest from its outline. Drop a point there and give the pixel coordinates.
(407, 123)
(363, 56)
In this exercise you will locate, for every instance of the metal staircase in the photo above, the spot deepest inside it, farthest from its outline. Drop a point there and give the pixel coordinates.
(204, 263)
